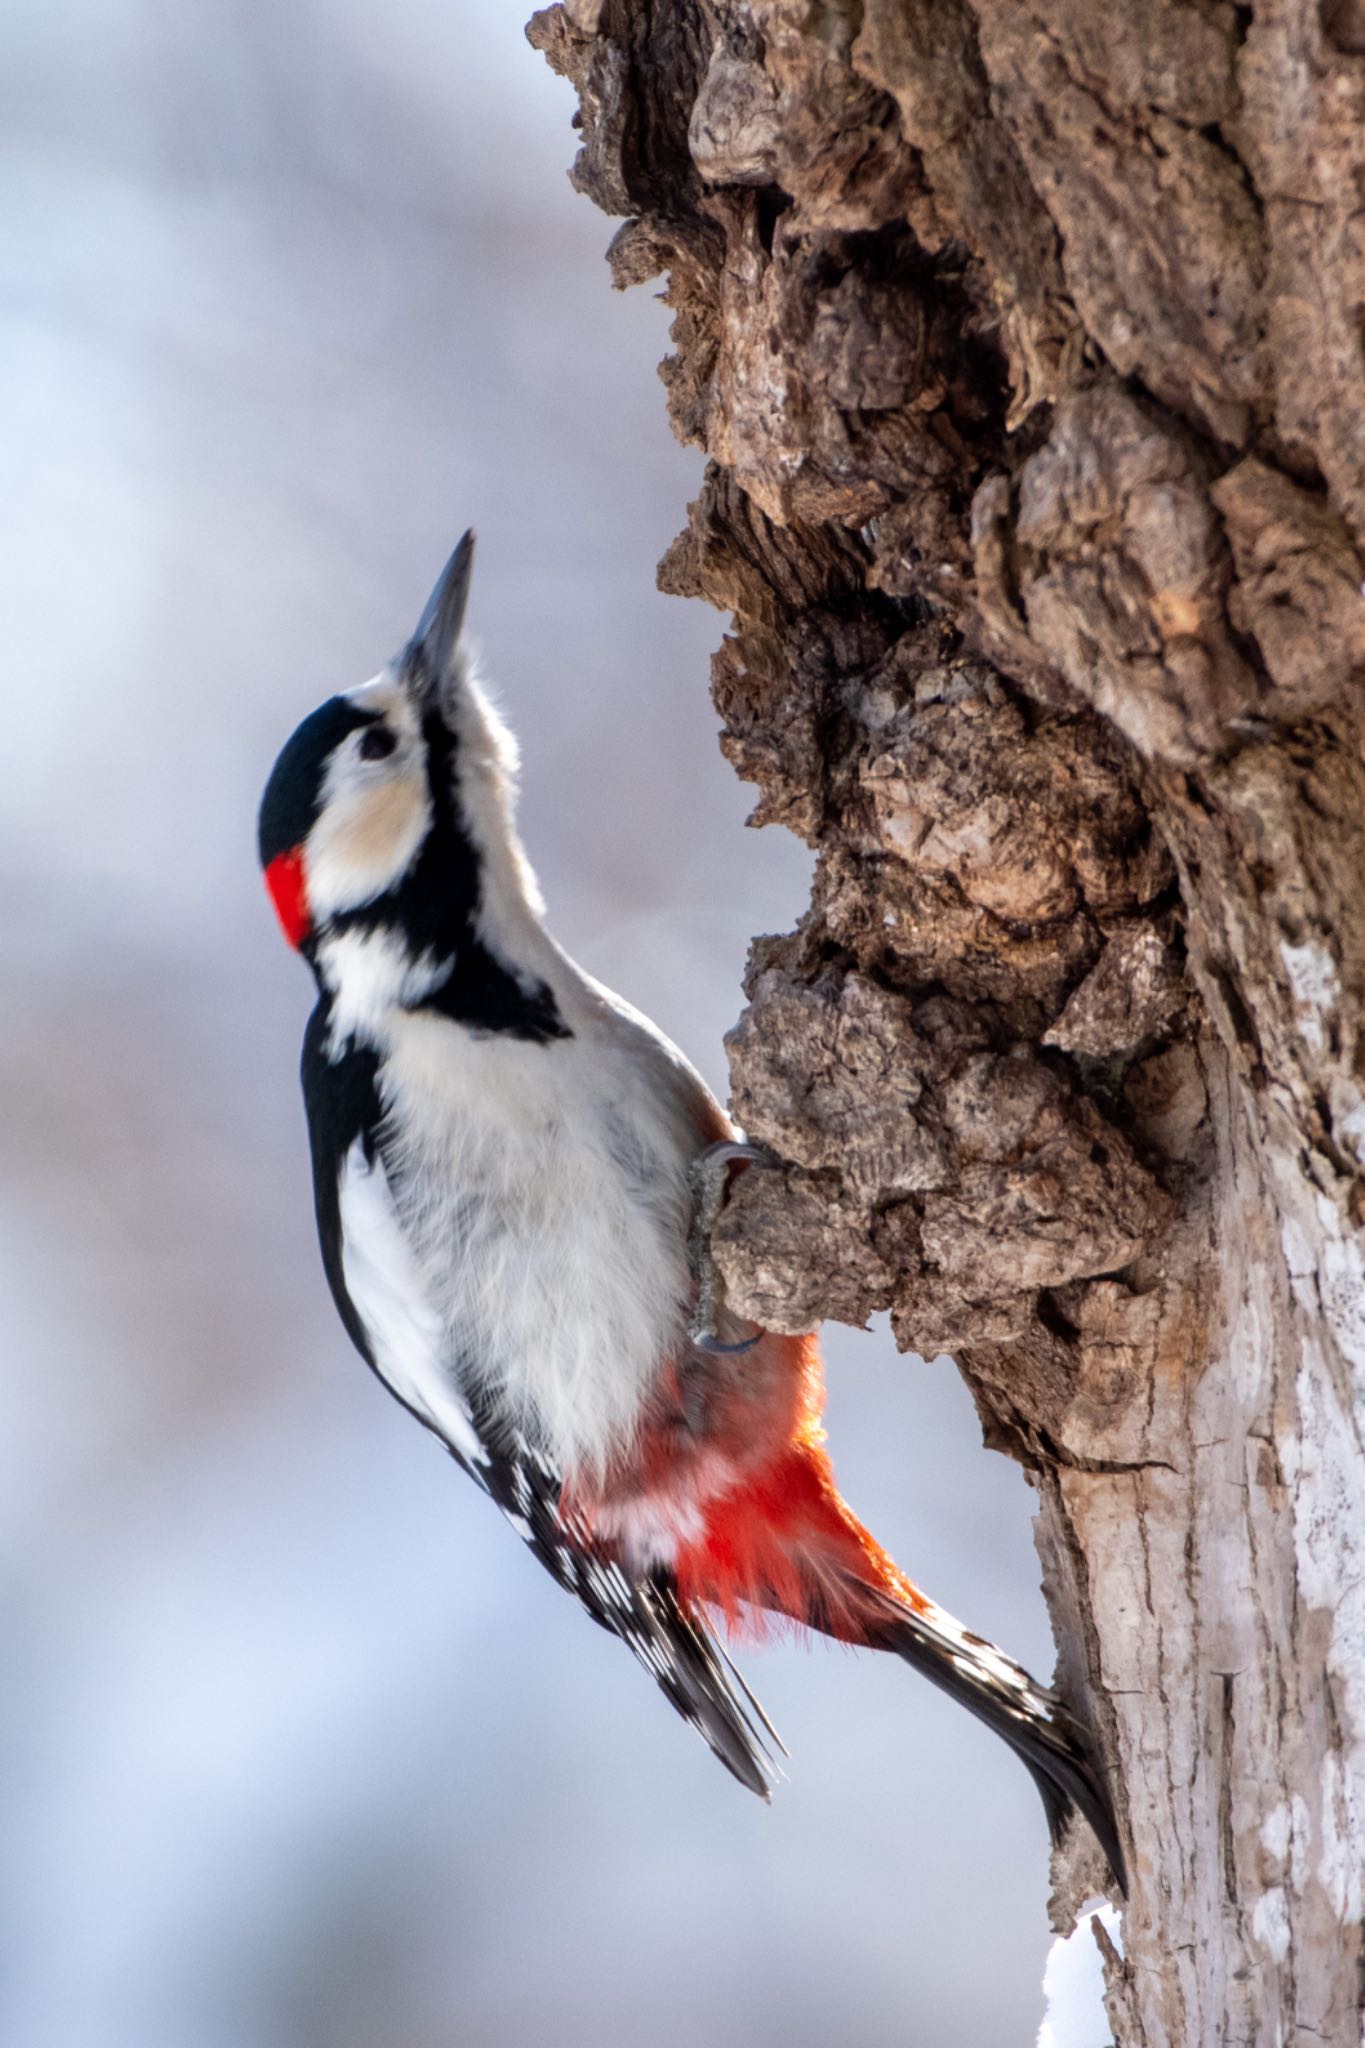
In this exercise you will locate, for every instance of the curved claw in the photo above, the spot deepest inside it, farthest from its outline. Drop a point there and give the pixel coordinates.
(730, 1149)
(706, 1340)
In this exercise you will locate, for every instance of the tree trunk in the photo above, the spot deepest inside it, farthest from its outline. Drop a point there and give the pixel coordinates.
(1028, 348)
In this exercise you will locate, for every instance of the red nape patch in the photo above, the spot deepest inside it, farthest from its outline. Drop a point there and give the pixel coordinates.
(289, 894)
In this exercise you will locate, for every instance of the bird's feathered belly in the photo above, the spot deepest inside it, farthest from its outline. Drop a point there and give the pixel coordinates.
(550, 1223)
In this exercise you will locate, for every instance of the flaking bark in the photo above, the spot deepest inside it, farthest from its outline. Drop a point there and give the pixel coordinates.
(1027, 347)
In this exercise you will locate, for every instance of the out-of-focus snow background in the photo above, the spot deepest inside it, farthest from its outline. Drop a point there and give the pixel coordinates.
(299, 1749)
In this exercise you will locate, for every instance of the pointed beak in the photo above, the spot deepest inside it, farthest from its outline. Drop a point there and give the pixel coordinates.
(429, 656)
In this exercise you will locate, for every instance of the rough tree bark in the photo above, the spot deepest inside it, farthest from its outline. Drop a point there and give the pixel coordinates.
(1028, 348)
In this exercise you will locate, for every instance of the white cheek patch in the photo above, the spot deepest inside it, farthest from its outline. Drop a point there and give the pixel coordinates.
(365, 840)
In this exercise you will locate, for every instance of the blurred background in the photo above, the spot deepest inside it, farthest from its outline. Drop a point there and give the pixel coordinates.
(299, 1748)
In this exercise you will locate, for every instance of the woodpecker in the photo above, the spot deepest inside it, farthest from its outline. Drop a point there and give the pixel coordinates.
(507, 1161)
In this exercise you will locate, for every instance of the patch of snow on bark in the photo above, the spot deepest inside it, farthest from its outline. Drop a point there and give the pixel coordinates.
(1073, 1985)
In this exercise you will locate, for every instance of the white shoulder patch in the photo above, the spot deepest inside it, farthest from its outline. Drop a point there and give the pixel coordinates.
(368, 973)
(384, 1280)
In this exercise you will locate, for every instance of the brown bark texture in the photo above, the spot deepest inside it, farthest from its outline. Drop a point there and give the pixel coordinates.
(1027, 347)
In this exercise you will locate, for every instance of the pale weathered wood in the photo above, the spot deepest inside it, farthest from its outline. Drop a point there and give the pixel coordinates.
(1028, 347)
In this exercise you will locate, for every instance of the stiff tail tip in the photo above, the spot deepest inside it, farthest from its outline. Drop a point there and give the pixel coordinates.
(1026, 1715)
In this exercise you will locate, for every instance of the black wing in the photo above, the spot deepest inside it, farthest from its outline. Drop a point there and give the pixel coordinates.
(673, 1641)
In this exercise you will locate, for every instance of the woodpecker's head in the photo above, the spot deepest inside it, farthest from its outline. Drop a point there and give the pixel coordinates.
(387, 819)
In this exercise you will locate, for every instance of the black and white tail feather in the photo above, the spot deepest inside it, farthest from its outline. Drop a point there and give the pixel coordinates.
(1030, 1717)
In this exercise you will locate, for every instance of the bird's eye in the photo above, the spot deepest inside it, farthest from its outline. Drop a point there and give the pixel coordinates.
(376, 742)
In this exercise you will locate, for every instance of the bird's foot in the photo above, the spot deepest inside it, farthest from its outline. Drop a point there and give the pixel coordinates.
(713, 1173)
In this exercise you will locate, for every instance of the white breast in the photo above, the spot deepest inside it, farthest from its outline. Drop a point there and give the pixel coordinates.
(544, 1189)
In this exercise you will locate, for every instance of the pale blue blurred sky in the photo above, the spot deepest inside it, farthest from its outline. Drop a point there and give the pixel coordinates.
(298, 1749)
